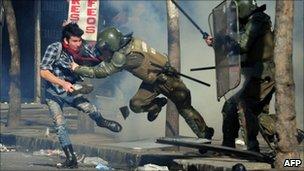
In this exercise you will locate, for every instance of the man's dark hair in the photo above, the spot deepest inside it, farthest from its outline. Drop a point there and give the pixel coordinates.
(71, 29)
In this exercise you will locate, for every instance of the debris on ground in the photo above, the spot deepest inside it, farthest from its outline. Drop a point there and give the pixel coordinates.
(152, 167)
(94, 161)
(80, 159)
(3, 148)
(48, 152)
(47, 132)
(137, 148)
(102, 167)
(239, 142)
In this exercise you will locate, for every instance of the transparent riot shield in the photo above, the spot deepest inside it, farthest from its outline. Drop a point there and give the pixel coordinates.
(225, 30)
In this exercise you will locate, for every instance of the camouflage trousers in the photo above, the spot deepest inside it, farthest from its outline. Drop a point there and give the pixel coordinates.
(242, 111)
(174, 89)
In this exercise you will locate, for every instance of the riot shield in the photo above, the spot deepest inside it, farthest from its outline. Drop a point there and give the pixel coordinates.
(225, 30)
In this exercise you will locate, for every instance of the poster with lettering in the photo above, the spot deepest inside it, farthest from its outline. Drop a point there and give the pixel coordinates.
(85, 13)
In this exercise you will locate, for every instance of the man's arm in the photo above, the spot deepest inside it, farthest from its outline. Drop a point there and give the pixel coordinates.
(101, 71)
(46, 66)
(47, 75)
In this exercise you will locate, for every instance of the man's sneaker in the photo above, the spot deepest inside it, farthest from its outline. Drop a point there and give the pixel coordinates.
(152, 115)
(109, 124)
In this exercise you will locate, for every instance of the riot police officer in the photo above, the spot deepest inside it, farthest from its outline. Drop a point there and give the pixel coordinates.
(256, 46)
(124, 52)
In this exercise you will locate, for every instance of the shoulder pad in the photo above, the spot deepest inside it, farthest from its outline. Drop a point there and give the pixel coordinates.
(140, 46)
(118, 59)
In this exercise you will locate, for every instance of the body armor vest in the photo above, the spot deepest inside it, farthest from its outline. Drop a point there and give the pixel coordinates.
(146, 71)
(262, 48)
(260, 54)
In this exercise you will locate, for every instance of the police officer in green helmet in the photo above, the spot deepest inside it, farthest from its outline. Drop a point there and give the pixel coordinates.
(124, 52)
(245, 8)
(256, 47)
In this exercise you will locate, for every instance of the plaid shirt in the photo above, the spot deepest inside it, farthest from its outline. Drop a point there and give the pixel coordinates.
(58, 62)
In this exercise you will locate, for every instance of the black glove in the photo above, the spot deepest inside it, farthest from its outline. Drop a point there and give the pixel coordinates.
(169, 70)
(232, 45)
(82, 88)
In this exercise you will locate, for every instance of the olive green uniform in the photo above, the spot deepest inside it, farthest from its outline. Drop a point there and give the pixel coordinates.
(144, 62)
(256, 46)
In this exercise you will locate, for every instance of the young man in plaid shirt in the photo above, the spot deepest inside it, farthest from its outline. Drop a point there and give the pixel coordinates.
(55, 69)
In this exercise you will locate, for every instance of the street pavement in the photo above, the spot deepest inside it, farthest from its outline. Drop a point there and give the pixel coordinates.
(31, 135)
(28, 161)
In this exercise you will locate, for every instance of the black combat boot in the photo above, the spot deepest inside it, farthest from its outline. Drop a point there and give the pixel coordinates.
(209, 133)
(109, 124)
(253, 145)
(228, 142)
(160, 102)
(71, 160)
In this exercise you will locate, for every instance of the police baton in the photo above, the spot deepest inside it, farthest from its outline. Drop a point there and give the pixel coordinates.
(180, 74)
(205, 34)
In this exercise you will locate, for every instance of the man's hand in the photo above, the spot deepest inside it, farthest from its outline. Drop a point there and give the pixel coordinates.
(49, 76)
(67, 86)
(209, 40)
(73, 66)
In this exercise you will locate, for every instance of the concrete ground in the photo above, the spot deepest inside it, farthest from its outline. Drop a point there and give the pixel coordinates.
(27, 161)
(128, 155)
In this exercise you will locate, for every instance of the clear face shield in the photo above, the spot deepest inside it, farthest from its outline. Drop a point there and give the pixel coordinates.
(224, 27)
(104, 49)
(126, 39)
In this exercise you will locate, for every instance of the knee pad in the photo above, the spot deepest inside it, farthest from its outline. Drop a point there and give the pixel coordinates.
(182, 98)
(136, 105)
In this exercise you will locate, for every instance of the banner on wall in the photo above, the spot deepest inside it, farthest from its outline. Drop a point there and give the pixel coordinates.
(85, 13)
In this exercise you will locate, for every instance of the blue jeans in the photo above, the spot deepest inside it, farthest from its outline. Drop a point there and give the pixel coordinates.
(55, 103)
